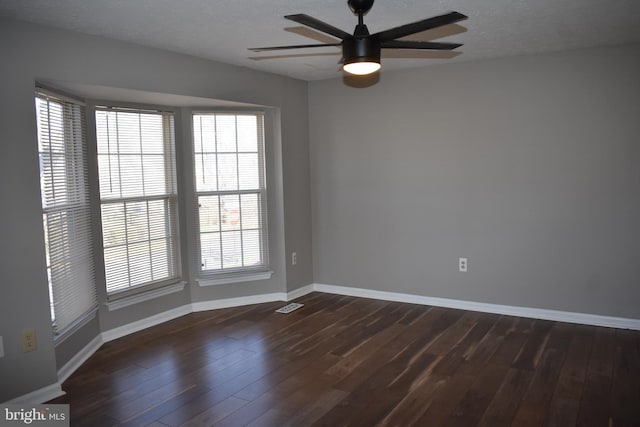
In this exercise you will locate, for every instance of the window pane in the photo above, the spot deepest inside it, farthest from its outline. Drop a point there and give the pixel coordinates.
(128, 128)
(131, 176)
(137, 224)
(231, 249)
(159, 219)
(226, 133)
(247, 134)
(206, 175)
(155, 182)
(207, 132)
(248, 172)
(109, 176)
(140, 263)
(116, 267)
(230, 210)
(151, 134)
(251, 248)
(250, 212)
(227, 172)
(210, 251)
(160, 258)
(113, 224)
(209, 214)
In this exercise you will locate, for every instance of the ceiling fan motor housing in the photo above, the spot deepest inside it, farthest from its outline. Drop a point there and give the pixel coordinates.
(360, 6)
(356, 49)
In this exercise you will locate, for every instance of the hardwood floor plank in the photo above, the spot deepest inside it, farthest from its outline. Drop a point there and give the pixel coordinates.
(534, 406)
(563, 412)
(574, 370)
(505, 402)
(315, 409)
(625, 393)
(445, 401)
(353, 361)
(595, 403)
(530, 353)
(216, 413)
(476, 400)
(454, 358)
(414, 404)
(166, 407)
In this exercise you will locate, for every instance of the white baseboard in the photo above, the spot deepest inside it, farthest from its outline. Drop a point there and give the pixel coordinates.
(145, 323)
(534, 313)
(300, 292)
(39, 396)
(77, 360)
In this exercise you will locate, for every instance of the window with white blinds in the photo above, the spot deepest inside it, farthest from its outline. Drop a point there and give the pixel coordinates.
(65, 209)
(136, 165)
(231, 192)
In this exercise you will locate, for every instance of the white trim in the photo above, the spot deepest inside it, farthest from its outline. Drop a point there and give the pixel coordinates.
(40, 395)
(300, 292)
(243, 277)
(237, 302)
(145, 323)
(76, 361)
(144, 296)
(534, 313)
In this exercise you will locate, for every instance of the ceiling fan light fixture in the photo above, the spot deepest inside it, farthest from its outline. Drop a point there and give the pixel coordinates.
(361, 54)
(361, 68)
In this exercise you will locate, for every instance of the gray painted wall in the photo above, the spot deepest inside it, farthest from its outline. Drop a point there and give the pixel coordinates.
(31, 53)
(528, 166)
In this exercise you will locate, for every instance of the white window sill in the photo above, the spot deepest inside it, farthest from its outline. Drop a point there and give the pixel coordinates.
(241, 277)
(72, 328)
(145, 296)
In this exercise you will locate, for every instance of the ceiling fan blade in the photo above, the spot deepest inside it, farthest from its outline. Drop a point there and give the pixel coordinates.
(316, 24)
(300, 46)
(416, 27)
(410, 44)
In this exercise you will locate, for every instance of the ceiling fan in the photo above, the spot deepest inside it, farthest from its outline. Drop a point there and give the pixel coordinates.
(361, 51)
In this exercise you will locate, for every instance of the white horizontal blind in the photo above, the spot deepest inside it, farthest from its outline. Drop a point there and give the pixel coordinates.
(65, 209)
(136, 165)
(231, 192)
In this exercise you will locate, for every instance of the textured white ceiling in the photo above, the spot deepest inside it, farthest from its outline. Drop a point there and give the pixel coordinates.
(222, 30)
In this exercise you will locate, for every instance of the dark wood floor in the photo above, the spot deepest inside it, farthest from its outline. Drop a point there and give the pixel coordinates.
(349, 361)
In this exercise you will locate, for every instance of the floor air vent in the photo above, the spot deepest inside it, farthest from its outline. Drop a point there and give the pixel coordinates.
(289, 308)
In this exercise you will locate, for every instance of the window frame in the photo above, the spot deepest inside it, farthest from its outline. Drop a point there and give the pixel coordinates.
(79, 208)
(141, 292)
(237, 274)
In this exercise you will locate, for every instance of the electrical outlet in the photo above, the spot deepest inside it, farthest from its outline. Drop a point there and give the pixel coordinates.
(28, 340)
(1, 347)
(294, 258)
(462, 264)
